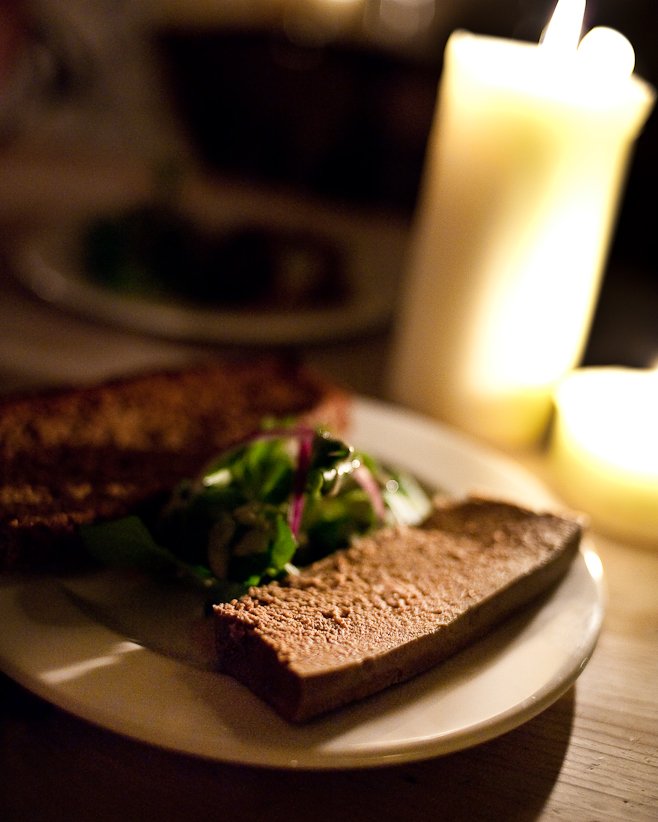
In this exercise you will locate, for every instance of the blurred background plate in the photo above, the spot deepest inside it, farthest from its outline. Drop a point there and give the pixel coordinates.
(367, 249)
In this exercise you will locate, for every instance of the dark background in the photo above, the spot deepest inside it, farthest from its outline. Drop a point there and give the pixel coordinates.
(341, 116)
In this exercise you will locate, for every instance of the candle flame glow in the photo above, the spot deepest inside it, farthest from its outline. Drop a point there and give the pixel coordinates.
(604, 54)
(607, 53)
(604, 449)
(562, 34)
(611, 413)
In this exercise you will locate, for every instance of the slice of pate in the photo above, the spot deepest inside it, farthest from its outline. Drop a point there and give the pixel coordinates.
(392, 605)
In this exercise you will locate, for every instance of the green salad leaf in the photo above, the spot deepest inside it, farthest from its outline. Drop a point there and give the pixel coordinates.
(285, 495)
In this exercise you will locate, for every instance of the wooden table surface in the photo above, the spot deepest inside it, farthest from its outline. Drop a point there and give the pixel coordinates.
(590, 757)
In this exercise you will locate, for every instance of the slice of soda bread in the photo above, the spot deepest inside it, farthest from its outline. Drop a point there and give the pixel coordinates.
(85, 454)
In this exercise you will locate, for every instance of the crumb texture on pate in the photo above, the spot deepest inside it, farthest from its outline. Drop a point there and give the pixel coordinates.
(398, 587)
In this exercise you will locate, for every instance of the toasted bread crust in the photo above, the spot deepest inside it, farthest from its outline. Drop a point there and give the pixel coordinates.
(391, 606)
(99, 452)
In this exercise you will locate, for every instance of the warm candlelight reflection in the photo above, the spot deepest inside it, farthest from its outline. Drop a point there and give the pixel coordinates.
(85, 666)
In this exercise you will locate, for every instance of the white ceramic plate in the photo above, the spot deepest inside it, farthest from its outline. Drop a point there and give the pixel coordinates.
(51, 645)
(48, 263)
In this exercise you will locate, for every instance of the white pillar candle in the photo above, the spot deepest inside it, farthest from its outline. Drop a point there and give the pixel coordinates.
(604, 448)
(525, 163)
